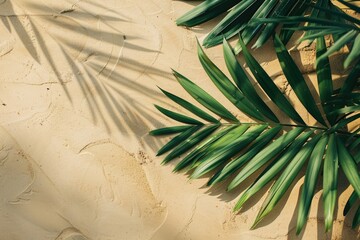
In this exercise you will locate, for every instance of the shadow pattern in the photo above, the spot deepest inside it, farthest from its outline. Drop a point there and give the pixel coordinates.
(95, 49)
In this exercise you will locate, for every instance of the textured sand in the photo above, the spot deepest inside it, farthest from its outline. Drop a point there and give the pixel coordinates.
(77, 86)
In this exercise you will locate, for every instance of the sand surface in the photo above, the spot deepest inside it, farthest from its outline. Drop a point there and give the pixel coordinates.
(77, 86)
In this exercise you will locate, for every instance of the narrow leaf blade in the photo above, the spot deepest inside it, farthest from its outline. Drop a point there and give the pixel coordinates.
(285, 180)
(191, 107)
(296, 80)
(177, 140)
(204, 98)
(352, 199)
(330, 181)
(238, 162)
(205, 11)
(265, 155)
(269, 86)
(168, 130)
(273, 169)
(243, 82)
(324, 78)
(349, 166)
(201, 150)
(190, 142)
(227, 152)
(178, 117)
(311, 177)
(228, 89)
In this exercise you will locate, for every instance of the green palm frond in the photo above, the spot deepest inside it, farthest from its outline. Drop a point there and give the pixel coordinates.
(215, 141)
(260, 18)
(238, 14)
(325, 20)
(351, 201)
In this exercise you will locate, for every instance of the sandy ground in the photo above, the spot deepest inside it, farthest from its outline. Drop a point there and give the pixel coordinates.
(77, 86)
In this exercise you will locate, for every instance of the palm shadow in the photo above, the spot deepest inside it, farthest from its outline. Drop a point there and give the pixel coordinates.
(80, 44)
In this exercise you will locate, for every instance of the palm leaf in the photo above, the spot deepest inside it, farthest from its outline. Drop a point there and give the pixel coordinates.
(177, 116)
(189, 106)
(283, 9)
(351, 80)
(269, 86)
(286, 178)
(239, 13)
(204, 147)
(352, 199)
(204, 98)
(356, 220)
(348, 37)
(325, 20)
(330, 181)
(235, 151)
(273, 169)
(190, 142)
(218, 157)
(286, 31)
(205, 11)
(349, 166)
(311, 177)
(168, 130)
(229, 90)
(249, 17)
(354, 53)
(234, 21)
(265, 155)
(250, 31)
(177, 140)
(238, 162)
(244, 84)
(296, 80)
(323, 72)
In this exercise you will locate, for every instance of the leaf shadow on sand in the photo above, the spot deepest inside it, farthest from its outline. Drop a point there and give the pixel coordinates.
(98, 55)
